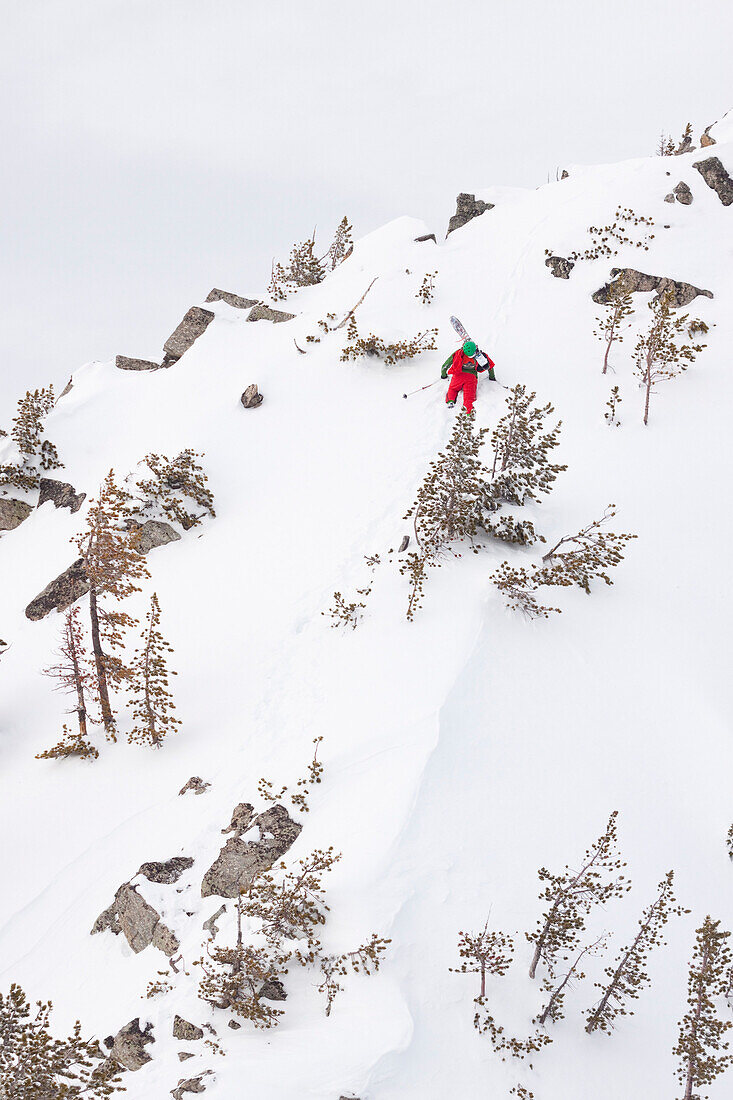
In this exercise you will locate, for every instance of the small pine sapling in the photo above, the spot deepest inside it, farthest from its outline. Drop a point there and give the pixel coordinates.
(364, 960)
(34, 1065)
(152, 701)
(628, 975)
(376, 347)
(342, 613)
(484, 953)
(659, 357)
(112, 566)
(299, 799)
(72, 743)
(701, 1045)
(611, 415)
(730, 842)
(569, 897)
(554, 1009)
(342, 245)
(427, 288)
(619, 307)
(177, 490)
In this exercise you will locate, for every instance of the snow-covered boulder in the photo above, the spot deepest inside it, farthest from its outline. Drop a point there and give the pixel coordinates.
(140, 924)
(261, 312)
(468, 207)
(128, 1045)
(239, 861)
(60, 593)
(640, 283)
(191, 327)
(167, 872)
(124, 362)
(231, 299)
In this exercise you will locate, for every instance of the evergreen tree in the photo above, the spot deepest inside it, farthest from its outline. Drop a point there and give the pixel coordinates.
(554, 1009)
(73, 674)
(619, 306)
(153, 705)
(37, 454)
(701, 1045)
(36, 1066)
(112, 566)
(177, 490)
(342, 245)
(449, 505)
(570, 895)
(522, 470)
(659, 357)
(484, 953)
(628, 975)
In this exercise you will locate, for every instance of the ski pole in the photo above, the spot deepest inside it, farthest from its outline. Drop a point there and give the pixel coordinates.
(423, 388)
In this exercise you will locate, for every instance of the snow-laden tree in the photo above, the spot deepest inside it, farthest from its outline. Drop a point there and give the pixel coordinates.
(177, 490)
(619, 307)
(37, 454)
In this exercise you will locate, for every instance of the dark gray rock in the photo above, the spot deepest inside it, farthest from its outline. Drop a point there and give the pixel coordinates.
(186, 1031)
(140, 924)
(251, 398)
(683, 194)
(196, 784)
(716, 176)
(61, 493)
(273, 990)
(123, 362)
(261, 312)
(669, 198)
(639, 283)
(426, 237)
(234, 1025)
(67, 388)
(166, 872)
(468, 207)
(559, 266)
(240, 861)
(191, 327)
(685, 146)
(128, 1046)
(154, 533)
(68, 587)
(12, 513)
(232, 299)
(184, 1055)
(565, 174)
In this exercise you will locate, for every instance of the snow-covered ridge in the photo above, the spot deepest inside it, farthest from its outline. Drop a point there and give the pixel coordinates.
(463, 751)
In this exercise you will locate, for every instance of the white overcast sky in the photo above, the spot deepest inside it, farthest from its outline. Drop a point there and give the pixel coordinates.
(152, 149)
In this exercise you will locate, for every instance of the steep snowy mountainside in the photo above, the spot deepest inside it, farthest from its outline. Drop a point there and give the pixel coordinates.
(462, 751)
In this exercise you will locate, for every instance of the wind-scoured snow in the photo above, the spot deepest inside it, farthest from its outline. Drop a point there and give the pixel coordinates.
(462, 751)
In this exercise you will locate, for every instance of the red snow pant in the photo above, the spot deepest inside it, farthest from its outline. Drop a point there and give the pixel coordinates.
(462, 380)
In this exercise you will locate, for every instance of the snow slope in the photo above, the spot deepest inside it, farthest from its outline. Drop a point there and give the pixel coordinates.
(462, 751)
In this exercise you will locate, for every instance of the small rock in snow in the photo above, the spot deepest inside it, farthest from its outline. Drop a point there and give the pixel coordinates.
(251, 398)
(12, 513)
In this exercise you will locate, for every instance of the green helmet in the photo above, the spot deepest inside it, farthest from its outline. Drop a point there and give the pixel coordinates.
(469, 348)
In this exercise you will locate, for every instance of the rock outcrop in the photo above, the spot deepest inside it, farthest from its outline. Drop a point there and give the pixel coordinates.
(426, 237)
(195, 784)
(186, 1031)
(261, 312)
(123, 362)
(273, 990)
(252, 398)
(231, 299)
(716, 176)
(61, 493)
(468, 207)
(559, 266)
(12, 513)
(669, 198)
(153, 533)
(639, 283)
(167, 872)
(191, 327)
(68, 587)
(193, 1084)
(140, 924)
(240, 861)
(128, 1045)
(683, 194)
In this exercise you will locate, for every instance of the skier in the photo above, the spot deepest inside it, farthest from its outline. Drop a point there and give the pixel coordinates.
(464, 366)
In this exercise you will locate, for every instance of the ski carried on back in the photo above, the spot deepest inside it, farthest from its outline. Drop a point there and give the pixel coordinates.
(459, 328)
